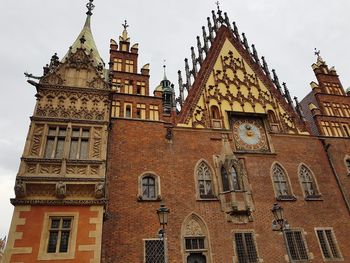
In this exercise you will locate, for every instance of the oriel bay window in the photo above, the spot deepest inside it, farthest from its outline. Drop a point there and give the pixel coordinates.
(230, 179)
(59, 234)
(79, 146)
(55, 142)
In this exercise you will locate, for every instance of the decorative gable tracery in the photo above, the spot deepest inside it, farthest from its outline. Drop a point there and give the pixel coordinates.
(195, 110)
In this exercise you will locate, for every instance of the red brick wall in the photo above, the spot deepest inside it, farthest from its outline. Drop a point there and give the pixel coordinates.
(137, 147)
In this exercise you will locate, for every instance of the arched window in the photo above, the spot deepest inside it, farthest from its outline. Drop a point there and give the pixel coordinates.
(204, 179)
(235, 181)
(215, 113)
(308, 182)
(128, 111)
(225, 180)
(281, 184)
(230, 179)
(149, 187)
(195, 242)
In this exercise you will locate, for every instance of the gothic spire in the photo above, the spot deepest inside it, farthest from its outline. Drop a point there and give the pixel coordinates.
(86, 40)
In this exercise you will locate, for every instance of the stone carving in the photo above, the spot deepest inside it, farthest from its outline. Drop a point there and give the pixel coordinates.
(37, 140)
(99, 190)
(78, 106)
(44, 169)
(49, 169)
(76, 170)
(52, 79)
(61, 190)
(31, 168)
(193, 228)
(97, 83)
(20, 189)
(96, 148)
(94, 170)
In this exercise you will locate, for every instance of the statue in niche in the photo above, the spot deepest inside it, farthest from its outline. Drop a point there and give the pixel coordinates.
(20, 189)
(61, 190)
(99, 190)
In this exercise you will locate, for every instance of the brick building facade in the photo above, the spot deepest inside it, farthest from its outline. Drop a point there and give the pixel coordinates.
(219, 156)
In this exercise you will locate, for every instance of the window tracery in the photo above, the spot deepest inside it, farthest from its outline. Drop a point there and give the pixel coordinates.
(308, 182)
(281, 183)
(205, 181)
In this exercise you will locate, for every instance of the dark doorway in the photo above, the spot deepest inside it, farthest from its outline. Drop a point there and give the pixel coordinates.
(196, 258)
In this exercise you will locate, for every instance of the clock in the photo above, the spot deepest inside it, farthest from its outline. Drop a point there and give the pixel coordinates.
(249, 135)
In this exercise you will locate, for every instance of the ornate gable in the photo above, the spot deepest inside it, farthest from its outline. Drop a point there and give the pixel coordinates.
(77, 70)
(231, 79)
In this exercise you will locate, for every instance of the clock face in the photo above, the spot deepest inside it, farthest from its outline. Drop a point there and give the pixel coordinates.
(249, 135)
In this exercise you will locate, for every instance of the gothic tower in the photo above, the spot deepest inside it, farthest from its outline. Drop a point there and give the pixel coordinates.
(60, 185)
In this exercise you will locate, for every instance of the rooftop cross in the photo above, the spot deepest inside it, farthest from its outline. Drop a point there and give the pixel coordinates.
(90, 6)
(125, 25)
(218, 5)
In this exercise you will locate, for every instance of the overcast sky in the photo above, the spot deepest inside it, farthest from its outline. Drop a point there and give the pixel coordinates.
(285, 32)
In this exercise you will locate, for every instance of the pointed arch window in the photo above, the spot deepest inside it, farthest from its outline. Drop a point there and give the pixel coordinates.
(230, 179)
(225, 180)
(205, 181)
(235, 181)
(308, 183)
(281, 183)
(195, 240)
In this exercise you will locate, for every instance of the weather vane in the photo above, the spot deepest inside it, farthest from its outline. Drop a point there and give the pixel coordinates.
(317, 53)
(125, 25)
(90, 6)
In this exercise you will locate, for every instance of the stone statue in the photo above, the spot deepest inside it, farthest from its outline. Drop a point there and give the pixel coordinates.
(99, 190)
(61, 190)
(20, 189)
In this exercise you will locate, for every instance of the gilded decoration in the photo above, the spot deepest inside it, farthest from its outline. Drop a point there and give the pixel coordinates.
(249, 134)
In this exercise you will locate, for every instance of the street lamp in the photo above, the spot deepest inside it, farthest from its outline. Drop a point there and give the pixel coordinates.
(163, 214)
(280, 224)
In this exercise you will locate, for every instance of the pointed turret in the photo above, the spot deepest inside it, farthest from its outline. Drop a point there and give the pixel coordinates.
(166, 89)
(86, 40)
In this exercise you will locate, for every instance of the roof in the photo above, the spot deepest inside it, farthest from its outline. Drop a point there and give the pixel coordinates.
(86, 40)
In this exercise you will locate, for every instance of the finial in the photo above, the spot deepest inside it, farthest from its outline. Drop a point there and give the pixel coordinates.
(164, 68)
(90, 6)
(317, 52)
(218, 5)
(125, 25)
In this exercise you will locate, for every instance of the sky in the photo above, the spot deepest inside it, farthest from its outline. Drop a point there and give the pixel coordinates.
(285, 32)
